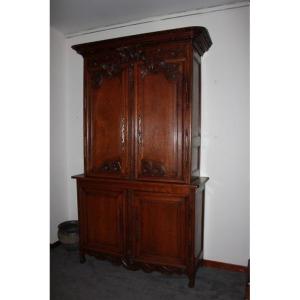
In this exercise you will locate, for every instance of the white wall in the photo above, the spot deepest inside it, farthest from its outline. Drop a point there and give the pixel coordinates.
(59, 209)
(225, 123)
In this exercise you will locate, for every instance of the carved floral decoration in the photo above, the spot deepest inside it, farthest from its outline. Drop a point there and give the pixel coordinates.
(110, 64)
(153, 168)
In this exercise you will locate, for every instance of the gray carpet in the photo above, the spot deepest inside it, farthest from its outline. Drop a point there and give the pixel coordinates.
(98, 279)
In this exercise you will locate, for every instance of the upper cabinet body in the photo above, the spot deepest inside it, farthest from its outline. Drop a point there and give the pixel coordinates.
(142, 105)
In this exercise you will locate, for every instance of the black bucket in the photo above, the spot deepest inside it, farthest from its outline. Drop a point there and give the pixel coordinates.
(68, 234)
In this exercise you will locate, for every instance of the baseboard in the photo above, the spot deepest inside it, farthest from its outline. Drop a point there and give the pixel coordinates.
(224, 266)
(55, 244)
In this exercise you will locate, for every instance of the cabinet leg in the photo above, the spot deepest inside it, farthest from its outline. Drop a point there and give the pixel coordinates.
(192, 280)
(82, 258)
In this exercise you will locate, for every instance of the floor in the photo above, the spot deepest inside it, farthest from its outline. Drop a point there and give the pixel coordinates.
(98, 279)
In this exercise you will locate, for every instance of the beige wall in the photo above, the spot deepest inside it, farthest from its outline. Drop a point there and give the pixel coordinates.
(59, 208)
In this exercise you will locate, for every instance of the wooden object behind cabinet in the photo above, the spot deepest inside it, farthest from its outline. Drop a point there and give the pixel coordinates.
(140, 199)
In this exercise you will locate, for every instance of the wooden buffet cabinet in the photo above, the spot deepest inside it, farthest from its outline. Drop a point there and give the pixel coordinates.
(140, 199)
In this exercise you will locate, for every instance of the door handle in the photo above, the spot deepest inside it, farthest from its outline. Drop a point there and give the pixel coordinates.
(122, 125)
(139, 131)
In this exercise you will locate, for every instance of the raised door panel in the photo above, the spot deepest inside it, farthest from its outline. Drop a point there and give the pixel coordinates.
(107, 129)
(159, 121)
(160, 228)
(101, 219)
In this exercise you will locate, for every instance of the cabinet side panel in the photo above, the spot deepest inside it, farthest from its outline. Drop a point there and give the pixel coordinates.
(196, 116)
(199, 222)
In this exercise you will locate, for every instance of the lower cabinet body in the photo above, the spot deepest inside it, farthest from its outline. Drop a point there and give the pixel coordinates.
(142, 225)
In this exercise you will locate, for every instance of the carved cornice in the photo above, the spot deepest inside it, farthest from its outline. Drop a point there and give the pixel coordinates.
(197, 35)
(201, 40)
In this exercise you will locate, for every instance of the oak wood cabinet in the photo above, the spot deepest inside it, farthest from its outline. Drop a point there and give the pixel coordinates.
(140, 199)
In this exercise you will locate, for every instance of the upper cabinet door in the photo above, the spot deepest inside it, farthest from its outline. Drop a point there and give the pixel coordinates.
(159, 115)
(106, 113)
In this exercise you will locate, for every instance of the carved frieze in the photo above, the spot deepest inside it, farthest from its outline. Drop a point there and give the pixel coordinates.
(104, 71)
(125, 55)
(161, 53)
(130, 54)
(109, 64)
(119, 56)
(171, 71)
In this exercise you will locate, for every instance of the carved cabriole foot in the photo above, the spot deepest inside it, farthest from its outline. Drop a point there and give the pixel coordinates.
(192, 280)
(192, 273)
(82, 258)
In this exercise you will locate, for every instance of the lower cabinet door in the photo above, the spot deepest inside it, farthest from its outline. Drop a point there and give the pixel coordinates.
(101, 219)
(160, 228)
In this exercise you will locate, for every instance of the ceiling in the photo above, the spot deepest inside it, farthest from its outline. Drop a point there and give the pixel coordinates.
(73, 16)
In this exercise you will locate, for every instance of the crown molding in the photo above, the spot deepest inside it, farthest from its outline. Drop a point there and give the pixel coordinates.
(126, 46)
(160, 18)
